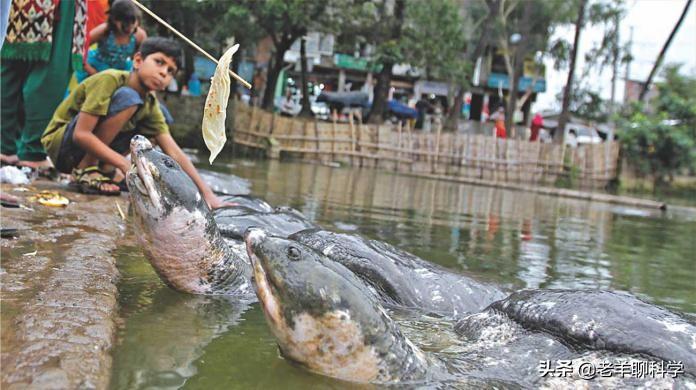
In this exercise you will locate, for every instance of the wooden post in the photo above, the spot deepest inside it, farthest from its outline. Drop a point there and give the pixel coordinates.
(352, 137)
(437, 146)
(358, 137)
(398, 146)
(563, 152)
(410, 144)
(519, 160)
(334, 115)
(319, 154)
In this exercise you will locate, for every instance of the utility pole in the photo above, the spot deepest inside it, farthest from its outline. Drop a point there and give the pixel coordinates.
(658, 62)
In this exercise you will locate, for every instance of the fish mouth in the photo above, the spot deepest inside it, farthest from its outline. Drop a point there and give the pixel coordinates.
(262, 282)
(142, 172)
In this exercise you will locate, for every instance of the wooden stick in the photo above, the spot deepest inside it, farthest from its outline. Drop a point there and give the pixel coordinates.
(437, 146)
(352, 135)
(398, 154)
(205, 53)
(334, 114)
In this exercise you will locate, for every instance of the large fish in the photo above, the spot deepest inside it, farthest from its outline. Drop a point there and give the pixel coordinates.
(401, 278)
(323, 318)
(177, 231)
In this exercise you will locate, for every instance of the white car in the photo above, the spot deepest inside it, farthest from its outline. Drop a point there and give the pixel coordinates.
(578, 135)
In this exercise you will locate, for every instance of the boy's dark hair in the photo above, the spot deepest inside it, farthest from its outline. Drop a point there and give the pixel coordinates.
(163, 45)
(123, 11)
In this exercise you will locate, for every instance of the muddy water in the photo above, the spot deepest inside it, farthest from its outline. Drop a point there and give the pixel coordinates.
(514, 239)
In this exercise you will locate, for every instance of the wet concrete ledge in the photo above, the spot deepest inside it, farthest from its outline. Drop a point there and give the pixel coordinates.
(59, 291)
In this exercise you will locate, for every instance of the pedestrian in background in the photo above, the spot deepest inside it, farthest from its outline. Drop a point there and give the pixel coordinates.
(499, 118)
(44, 43)
(537, 124)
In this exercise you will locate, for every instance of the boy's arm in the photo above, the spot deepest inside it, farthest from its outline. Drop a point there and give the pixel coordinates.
(170, 147)
(85, 138)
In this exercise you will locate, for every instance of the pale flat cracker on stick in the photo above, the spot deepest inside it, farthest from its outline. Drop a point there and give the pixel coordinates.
(215, 110)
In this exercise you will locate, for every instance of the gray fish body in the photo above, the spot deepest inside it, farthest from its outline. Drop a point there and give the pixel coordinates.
(401, 278)
(176, 230)
(324, 319)
(603, 321)
(282, 222)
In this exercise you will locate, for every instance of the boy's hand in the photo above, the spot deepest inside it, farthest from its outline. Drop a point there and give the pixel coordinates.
(215, 203)
(124, 166)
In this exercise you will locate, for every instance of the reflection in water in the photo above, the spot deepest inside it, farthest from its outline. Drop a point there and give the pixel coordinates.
(516, 239)
(164, 331)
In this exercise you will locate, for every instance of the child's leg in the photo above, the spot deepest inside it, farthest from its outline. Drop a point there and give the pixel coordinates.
(106, 131)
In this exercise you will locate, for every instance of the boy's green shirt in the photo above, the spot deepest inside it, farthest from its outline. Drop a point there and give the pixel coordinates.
(93, 96)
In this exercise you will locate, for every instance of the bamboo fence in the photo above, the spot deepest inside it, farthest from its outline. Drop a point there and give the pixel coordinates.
(439, 154)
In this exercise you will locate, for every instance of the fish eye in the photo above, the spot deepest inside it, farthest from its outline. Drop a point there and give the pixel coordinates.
(169, 163)
(293, 253)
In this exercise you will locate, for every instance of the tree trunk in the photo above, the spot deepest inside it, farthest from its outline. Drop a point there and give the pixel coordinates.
(272, 78)
(518, 67)
(512, 98)
(615, 68)
(452, 121)
(306, 105)
(559, 136)
(456, 110)
(379, 103)
(646, 86)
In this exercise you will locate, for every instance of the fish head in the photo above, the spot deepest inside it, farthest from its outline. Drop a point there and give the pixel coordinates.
(159, 184)
(318, 310)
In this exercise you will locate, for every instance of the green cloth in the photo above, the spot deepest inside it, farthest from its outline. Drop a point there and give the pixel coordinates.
(32, 90)
(93, 96)
(32, 25)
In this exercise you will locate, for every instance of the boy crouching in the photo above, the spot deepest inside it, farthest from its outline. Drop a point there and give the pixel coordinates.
(94, 125)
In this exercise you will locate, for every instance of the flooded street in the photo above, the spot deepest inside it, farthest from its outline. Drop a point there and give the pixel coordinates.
(513, 239)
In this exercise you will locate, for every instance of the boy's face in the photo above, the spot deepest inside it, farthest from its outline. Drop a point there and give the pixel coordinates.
(154, 71)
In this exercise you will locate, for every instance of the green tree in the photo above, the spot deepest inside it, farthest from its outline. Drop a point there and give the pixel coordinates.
(663, 143)
(479, 20)
(388, 25)
(587, 104)
(531, 23)
(584, 102)
(435, 40)
(284, 21)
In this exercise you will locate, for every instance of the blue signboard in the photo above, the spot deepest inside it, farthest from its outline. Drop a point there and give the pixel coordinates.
(205, 68)
(496, 80)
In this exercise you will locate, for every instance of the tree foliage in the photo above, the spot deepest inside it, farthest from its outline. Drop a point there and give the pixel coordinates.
(434, 39)
(284, 21)
(663, 143)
